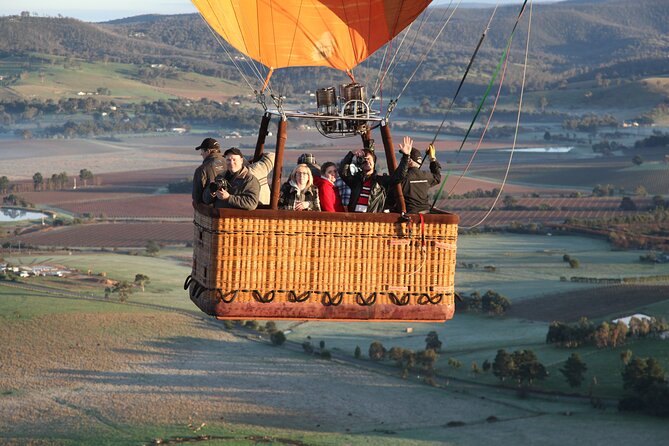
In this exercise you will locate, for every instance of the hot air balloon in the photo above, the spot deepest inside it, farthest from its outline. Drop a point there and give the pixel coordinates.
(274, 264)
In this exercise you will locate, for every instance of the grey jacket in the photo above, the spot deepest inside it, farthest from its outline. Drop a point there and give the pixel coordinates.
(243, 188)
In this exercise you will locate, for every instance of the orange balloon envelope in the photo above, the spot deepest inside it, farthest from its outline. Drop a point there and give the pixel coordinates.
(330, 33)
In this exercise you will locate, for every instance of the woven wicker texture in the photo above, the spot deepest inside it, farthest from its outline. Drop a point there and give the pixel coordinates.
(360, 262)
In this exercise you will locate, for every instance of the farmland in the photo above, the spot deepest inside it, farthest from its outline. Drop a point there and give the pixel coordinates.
(111, 235)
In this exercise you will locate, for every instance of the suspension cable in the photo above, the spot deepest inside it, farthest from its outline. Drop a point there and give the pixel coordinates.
(464, 77)
(485, 129)
(393, 102)
(515, 135)
(492, 80)
(229, 54)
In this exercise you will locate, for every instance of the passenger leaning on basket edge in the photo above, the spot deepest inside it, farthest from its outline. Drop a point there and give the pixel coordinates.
(212, 165)
(236, 187)
(369, 189)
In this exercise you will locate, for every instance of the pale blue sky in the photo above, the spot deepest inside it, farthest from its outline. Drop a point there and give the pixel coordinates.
(94, 11)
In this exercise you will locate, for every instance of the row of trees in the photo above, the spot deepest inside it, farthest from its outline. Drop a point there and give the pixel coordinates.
(491, 303)
(59, 180)
(111, 117)
(585, 332)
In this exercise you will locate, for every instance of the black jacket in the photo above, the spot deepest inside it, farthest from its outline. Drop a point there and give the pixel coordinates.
(416, 185)
(380, 183)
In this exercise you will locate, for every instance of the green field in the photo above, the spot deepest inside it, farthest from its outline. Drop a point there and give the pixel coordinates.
(54, 81)
(166, 273)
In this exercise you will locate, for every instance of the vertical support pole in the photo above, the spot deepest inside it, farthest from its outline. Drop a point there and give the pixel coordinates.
(392, 163)
(366, 138)
(281, 137)
(262, 134)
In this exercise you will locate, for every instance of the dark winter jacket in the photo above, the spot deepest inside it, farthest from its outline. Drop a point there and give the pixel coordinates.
(415, 187)
(211, 166)
(244, 190)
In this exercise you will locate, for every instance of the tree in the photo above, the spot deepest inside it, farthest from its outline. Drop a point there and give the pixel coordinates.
(528, 368)
(494, 303)
(152, 248)
(377, 351)
(396, 354)
(38, 181)
(503, 366)
(277, 337)
(543, 102)
(427, 359)
(85, 175)
(141, 280)
(509, 202)
(627, 204)
(574, 370)
(124, 289)
(637, 160)
(625, 356)
(4, 184)
(642, 373)
(432, 341)
(454, 363)
(602, 335)
(358, 352)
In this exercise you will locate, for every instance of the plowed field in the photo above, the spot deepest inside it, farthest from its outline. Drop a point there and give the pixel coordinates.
(111, 235)
(591, 303)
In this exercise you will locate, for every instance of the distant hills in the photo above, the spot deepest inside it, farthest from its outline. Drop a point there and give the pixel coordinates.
(571, 41)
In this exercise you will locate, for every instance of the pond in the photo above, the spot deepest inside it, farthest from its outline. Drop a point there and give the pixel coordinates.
(13, 214)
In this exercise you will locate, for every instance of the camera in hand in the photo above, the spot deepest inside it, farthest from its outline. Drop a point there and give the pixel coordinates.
(219, 183)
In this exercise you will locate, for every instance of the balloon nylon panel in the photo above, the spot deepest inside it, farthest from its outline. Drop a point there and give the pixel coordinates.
(329, 33)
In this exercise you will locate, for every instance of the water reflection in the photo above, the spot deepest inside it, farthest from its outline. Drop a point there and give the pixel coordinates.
(13, 214)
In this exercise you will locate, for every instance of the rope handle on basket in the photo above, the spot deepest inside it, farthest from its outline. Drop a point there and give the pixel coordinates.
(404, 300)
(224, 297)
(267, 298)
(332, 301)
(360, 299)
(188, 281)
(293, 297)
(425, 299)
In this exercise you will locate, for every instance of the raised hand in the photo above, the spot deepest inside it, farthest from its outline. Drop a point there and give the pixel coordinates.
(406, 146)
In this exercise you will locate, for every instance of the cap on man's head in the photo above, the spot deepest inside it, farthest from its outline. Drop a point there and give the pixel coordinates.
(416, 156)
(209, 144)
(233, 151)
(306, 158)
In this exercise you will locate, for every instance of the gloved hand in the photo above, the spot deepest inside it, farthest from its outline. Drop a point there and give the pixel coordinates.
(431, 152)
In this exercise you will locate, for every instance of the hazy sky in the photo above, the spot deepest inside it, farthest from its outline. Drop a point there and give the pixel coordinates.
(95, 11)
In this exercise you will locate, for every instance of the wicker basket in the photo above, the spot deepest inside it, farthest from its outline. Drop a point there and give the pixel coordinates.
(323, 266)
